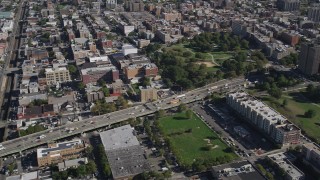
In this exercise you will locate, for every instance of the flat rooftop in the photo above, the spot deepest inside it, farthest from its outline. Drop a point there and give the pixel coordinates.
(313, 147)
(282, 160)
(120, 137)
(41, 152)
(242, 170)
(128, 161)
(124, 152)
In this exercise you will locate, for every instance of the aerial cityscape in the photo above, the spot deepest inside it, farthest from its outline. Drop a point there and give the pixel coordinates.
(166, 89)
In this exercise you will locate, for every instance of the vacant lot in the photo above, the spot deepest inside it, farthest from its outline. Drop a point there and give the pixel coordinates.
(191, 139)
(297, 105)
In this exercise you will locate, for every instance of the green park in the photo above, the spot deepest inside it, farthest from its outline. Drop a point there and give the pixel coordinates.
(295, 106)
(190, 140)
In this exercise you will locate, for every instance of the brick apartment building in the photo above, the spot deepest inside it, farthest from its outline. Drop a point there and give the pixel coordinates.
(94, 74)
(140, 70)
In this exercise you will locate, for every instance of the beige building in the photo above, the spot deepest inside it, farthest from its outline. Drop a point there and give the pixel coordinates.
(274, 125)
(57, 75)
(58, 152)
(148, 94)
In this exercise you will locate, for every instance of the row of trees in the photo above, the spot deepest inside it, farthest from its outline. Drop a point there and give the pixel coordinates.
(313, 92)
(37, 102)
(102, 162)
(274, 82)
(222, 41)
(238, 66)
(31, 130)
(292, 59)
(101, 107)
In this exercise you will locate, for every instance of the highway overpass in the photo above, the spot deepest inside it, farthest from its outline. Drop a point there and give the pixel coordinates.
(30, 141)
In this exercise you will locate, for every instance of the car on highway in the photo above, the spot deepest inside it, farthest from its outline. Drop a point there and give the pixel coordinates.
(42, 136)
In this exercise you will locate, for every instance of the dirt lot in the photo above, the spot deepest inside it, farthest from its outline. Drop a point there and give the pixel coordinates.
(208, 64)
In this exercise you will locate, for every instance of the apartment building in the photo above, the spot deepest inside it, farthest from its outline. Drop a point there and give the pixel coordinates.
(94, 74)
(58, 152)
(111, 4)
(275, 126)
(57, 75)
(283, 161)
(134, 5)
(309, 58)
(314, 13)
(288, 5)
(311, 154)
(140, 70)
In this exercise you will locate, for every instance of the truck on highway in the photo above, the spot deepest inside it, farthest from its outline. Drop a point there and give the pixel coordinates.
(180, 96)
(1, 147)
(212, 88)
(175, 101)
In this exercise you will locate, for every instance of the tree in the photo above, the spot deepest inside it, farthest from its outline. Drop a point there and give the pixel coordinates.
(167, 174)
(182, 107)
(72, 69)
(161, 152)
(285, 103)
(160, 113)
(310, 113)
(275, 92)
(269, 176)
(81, 86)
(189, 114)
(105, 91)
(91, 167)
(198, 166)
(121, 102)
(145, 81)
(81, 171)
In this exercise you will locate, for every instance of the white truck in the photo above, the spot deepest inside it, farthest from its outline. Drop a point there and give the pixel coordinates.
(180, 96)
(1, 147)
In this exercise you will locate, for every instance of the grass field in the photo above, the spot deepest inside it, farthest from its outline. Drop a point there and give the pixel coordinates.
(297, 105)
(191, 145)
(216, 58)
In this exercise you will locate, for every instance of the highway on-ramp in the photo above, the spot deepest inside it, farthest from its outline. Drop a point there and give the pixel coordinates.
(32, 140)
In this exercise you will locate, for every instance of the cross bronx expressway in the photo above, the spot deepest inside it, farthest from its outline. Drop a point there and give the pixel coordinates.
(30, 141)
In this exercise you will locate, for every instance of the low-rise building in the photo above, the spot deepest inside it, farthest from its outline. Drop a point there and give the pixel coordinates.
(311, 154)
(46, 110)
(129, 49)
(58, 152)
(124, 153)
(74, 163)
(292, 172)
(242, 170)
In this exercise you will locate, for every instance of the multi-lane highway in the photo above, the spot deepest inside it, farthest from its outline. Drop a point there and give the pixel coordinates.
(26, 142)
